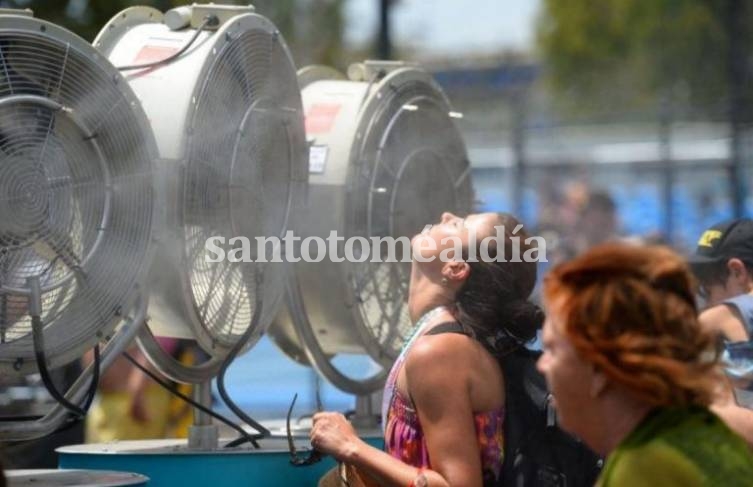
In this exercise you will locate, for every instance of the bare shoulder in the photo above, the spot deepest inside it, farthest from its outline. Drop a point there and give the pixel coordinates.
(438, 373)
(444, 357)
(723, 320)
(444, 347)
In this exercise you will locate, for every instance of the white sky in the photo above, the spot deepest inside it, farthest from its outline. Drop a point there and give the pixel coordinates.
(448, 27)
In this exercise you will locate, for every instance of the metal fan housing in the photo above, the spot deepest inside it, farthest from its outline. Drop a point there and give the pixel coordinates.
(228, 120)
(386, 159)
(77, 201)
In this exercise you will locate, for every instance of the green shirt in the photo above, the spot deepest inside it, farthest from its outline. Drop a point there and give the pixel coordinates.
(679, 447)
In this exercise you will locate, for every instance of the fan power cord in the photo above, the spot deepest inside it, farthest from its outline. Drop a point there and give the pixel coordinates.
(245, 437)
(209, 21)
(263, 432)
(177, 393)
(75, 417)
(37, 328)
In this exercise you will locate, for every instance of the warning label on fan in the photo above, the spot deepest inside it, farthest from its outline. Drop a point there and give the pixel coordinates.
(151, 54)
(154, 51)
(318, 158)
(321, 117)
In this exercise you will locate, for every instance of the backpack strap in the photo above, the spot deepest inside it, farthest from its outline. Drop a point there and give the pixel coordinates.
(744, 305)
(448, 327)
(444, 327)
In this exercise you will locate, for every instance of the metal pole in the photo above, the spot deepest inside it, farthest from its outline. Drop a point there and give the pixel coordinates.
(736, 71)
(384, 46)
(518, 104)
(665, 144)
(366, 416)
(203, 435)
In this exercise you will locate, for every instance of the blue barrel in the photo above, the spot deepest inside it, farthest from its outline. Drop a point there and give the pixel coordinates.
(169, 463)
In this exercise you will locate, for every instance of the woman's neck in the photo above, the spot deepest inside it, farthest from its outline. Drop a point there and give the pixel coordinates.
(424, 296)
(622, 416)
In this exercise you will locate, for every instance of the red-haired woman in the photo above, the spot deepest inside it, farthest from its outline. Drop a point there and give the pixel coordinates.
(633, 373)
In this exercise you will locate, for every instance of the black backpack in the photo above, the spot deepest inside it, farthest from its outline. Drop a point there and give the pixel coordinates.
(538, 453)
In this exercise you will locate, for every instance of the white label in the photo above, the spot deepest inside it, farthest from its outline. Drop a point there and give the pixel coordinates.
(317, 158)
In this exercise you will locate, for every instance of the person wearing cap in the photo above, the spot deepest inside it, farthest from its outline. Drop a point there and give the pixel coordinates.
(723, 264)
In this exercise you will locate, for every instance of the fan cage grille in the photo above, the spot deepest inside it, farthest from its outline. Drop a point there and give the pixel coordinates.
(413, 166)
(243, 156)
(76, 199)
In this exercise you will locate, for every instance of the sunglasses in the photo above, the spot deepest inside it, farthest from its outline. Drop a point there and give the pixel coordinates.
(314, 456)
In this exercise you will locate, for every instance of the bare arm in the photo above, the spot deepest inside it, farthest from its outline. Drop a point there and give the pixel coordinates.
(334, 435)
(738, 418)
(725, 321)
(438, 377)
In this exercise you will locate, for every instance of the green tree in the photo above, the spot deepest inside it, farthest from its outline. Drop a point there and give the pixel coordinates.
(312, 28)
(84, 17)
(619, 53)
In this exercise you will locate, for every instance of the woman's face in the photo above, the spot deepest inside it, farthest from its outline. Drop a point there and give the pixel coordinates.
(570, 378)
(451, 232)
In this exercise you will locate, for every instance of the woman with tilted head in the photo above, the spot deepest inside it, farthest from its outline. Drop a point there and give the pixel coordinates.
(445, 396)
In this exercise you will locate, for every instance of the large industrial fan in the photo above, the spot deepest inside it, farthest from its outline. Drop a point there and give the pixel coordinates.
(220, 90)
(77, 210)
(219, 87)
(386, 159)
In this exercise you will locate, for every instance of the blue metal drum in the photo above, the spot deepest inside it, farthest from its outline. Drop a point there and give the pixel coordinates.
(170, 463)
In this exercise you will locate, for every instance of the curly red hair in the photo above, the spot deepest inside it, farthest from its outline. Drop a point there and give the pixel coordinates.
(631, 311)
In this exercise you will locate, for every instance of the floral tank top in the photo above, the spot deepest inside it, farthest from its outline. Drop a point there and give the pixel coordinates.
(404, 438)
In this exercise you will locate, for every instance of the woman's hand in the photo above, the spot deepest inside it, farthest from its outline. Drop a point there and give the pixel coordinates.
(367, 466)
(332, 434)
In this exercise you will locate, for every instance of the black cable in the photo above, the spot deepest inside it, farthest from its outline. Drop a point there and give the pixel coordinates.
(38, 339)
(263, 432)
(187, 399)
(71, 419)
(37, 334)
(209, 20)
(238, 441)
(244, 435)
(95, 380)
(20, 418)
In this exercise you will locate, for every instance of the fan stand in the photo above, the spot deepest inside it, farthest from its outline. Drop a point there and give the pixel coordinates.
(203, 435)
(367, 414)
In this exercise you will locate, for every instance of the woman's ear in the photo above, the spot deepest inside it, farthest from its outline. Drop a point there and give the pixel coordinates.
(455, 271)
(737, 269)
